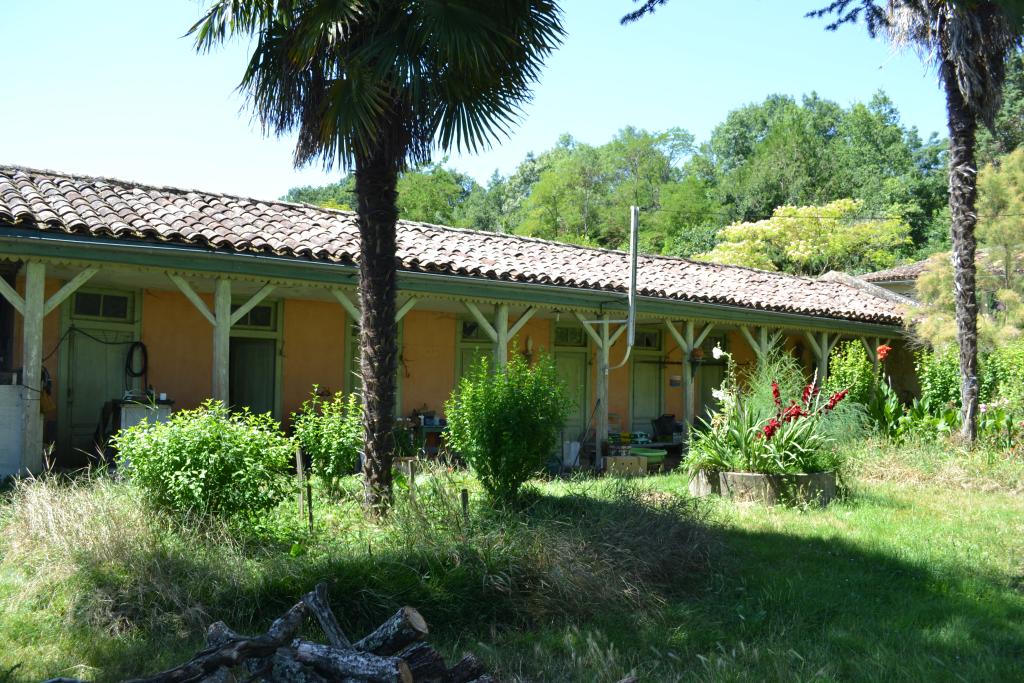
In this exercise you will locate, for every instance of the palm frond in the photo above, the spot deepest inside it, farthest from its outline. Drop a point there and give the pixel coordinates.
(451, 74)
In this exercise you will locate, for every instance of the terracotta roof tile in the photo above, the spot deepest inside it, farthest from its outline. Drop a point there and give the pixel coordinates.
(908, 271)
(47, 200)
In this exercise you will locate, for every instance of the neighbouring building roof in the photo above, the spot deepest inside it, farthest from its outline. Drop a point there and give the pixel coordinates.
(115, 209)
(908, 272)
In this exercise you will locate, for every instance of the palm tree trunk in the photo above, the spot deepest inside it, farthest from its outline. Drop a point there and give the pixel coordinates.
(376, 181)
(962, 194)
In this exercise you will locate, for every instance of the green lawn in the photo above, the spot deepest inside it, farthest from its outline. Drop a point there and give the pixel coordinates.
(918, 574)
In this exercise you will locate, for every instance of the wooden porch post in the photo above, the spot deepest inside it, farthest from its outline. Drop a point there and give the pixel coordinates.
(500, 333)
(222, 318)
(222, 340)
(821, 346)
(687, 342)
(604, 339)
(34, 307)
(872, 351)
(32, 366)
(501, 342)
(761, 346)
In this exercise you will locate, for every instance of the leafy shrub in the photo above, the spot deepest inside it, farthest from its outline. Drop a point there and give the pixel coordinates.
(939, 374)
(1006, 366)
(505, 424)
(756, 431)
(850, 368)
(209, 460)
(330, 433)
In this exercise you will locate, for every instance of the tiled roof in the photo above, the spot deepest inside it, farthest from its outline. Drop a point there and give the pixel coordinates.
(107, 208)
(908, 272)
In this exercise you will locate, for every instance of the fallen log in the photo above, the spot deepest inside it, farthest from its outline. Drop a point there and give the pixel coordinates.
(425, 663)
(395, 652)
(468, 669)
(406, 626)
(337, 663)
(284, 666)
(233, 652)
(317, 602)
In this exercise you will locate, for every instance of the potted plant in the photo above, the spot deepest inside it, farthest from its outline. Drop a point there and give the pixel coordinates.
(760, 447)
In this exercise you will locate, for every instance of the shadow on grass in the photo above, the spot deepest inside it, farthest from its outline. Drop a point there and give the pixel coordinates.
(675, 598)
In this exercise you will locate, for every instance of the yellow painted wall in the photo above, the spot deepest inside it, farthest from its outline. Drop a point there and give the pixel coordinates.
(619, 384)
(673, 395)
(312, 351)
(538, 331)
(180, 345)
(428, 354)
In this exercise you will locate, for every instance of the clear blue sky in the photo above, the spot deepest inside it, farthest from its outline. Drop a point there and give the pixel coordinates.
(111, 87)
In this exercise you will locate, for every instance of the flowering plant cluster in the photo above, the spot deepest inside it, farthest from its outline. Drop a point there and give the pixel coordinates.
(795, 411)
(755, 430)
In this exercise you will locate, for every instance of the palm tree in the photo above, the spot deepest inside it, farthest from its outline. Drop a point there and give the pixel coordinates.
(970, 42)
(374, 86)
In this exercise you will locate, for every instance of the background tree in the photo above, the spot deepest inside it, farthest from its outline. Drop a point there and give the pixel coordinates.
(970, 42)
(1007, 132)
(812, 240)
(376, 86)
(1001, 215)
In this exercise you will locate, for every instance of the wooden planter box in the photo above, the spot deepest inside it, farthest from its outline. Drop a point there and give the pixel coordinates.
(768, 489)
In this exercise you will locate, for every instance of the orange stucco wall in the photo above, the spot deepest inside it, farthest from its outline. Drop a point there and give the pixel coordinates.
(618, 386)
(180, 345)
(312, 351)
(672, 395)
(428, 360)
(535, 330)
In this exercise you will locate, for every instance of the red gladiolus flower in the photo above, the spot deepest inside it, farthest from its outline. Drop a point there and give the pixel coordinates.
(776, 395)
(769, 429)
(793, 412)
(883, 351)
(835, 398)
(809, 391)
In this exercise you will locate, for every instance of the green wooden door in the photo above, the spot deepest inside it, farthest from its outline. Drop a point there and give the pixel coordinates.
(572, 369)
(252, 369)
(96, 375)
(647, 403)
(709, 378)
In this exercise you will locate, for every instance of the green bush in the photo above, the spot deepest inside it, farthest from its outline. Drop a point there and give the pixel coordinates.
(330, 433)
(506, 424)
(939, 374)
(850, 368)
(209, 461)
(1006, 366)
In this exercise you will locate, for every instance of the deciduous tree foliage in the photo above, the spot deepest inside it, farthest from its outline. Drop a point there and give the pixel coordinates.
(775, 153)
(811, 240)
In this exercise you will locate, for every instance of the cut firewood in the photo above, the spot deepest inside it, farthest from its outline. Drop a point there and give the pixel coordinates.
(318, 604)
(286, 668)
(394, 653)
(468, 669)
(406, 626)
(235, 651)
(425, 663)
(335, 663)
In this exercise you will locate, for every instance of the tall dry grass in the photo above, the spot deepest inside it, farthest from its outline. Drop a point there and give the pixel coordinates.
(92, 551)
